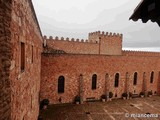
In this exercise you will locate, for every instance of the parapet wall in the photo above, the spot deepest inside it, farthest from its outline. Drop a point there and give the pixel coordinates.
(104, 34)
(140, 53)
(97, 43)
(66, 39)
(72, 45)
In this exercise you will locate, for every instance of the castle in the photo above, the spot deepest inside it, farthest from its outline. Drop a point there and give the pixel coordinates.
(78, 61)
(33, 67)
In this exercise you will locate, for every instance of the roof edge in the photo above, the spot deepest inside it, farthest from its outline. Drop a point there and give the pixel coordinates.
(32, 7)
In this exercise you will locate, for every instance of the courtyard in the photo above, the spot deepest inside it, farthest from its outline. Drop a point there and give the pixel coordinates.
(117, 109)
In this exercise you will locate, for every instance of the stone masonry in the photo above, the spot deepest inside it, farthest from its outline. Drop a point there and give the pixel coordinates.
(25, 84)
(19, 96)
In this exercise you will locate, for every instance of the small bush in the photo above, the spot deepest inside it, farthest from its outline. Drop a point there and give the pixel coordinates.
(150, 93)
(155, 92)
(45, 101)
(130, 94)
(124, 95)
(141, 93)
(110, 94)
(77, 98)
(103, 96)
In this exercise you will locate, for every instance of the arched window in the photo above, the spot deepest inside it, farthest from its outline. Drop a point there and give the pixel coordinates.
(152, 77)
(116, 82)
(94, 81)
(135, 78)
(61, 81)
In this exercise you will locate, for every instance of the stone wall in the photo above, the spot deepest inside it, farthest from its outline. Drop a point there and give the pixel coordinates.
(72, 65)
(25, 83)
(5, 59)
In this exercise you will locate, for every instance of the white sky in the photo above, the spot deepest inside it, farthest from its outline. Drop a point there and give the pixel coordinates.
(75, 11)
(76, 18)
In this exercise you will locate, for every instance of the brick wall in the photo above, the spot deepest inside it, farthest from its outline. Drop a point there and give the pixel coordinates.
(140, 53)
(25, 84)
(109, 43)
(5, 59)
(79, 47)
(97, 43)
(72, 65)
(158, 84)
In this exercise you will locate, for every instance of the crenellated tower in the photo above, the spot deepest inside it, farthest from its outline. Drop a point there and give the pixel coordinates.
(97, 43)
(109, 43)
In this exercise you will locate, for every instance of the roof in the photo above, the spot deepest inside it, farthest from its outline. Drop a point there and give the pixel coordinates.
(147, 10)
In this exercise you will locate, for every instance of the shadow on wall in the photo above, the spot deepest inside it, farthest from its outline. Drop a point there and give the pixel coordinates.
(5, 58)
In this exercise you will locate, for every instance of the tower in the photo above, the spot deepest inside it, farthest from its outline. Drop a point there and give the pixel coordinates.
(109, 43)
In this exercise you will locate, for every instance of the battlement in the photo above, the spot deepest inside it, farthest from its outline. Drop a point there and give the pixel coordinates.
(65, 39)
(140, 53)
(105, 34)
(91, 37)
(97, 43)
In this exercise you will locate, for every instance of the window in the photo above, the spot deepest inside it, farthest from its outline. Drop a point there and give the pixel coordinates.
(115, 95)
(116, 82)
(22, 56)
(94, 81)
(31, 102)
(37, 52)
(152, 77)
(135, 78)
(32, 54)
(61, 84)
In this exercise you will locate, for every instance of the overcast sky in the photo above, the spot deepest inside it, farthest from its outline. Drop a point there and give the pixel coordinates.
(76, 18)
